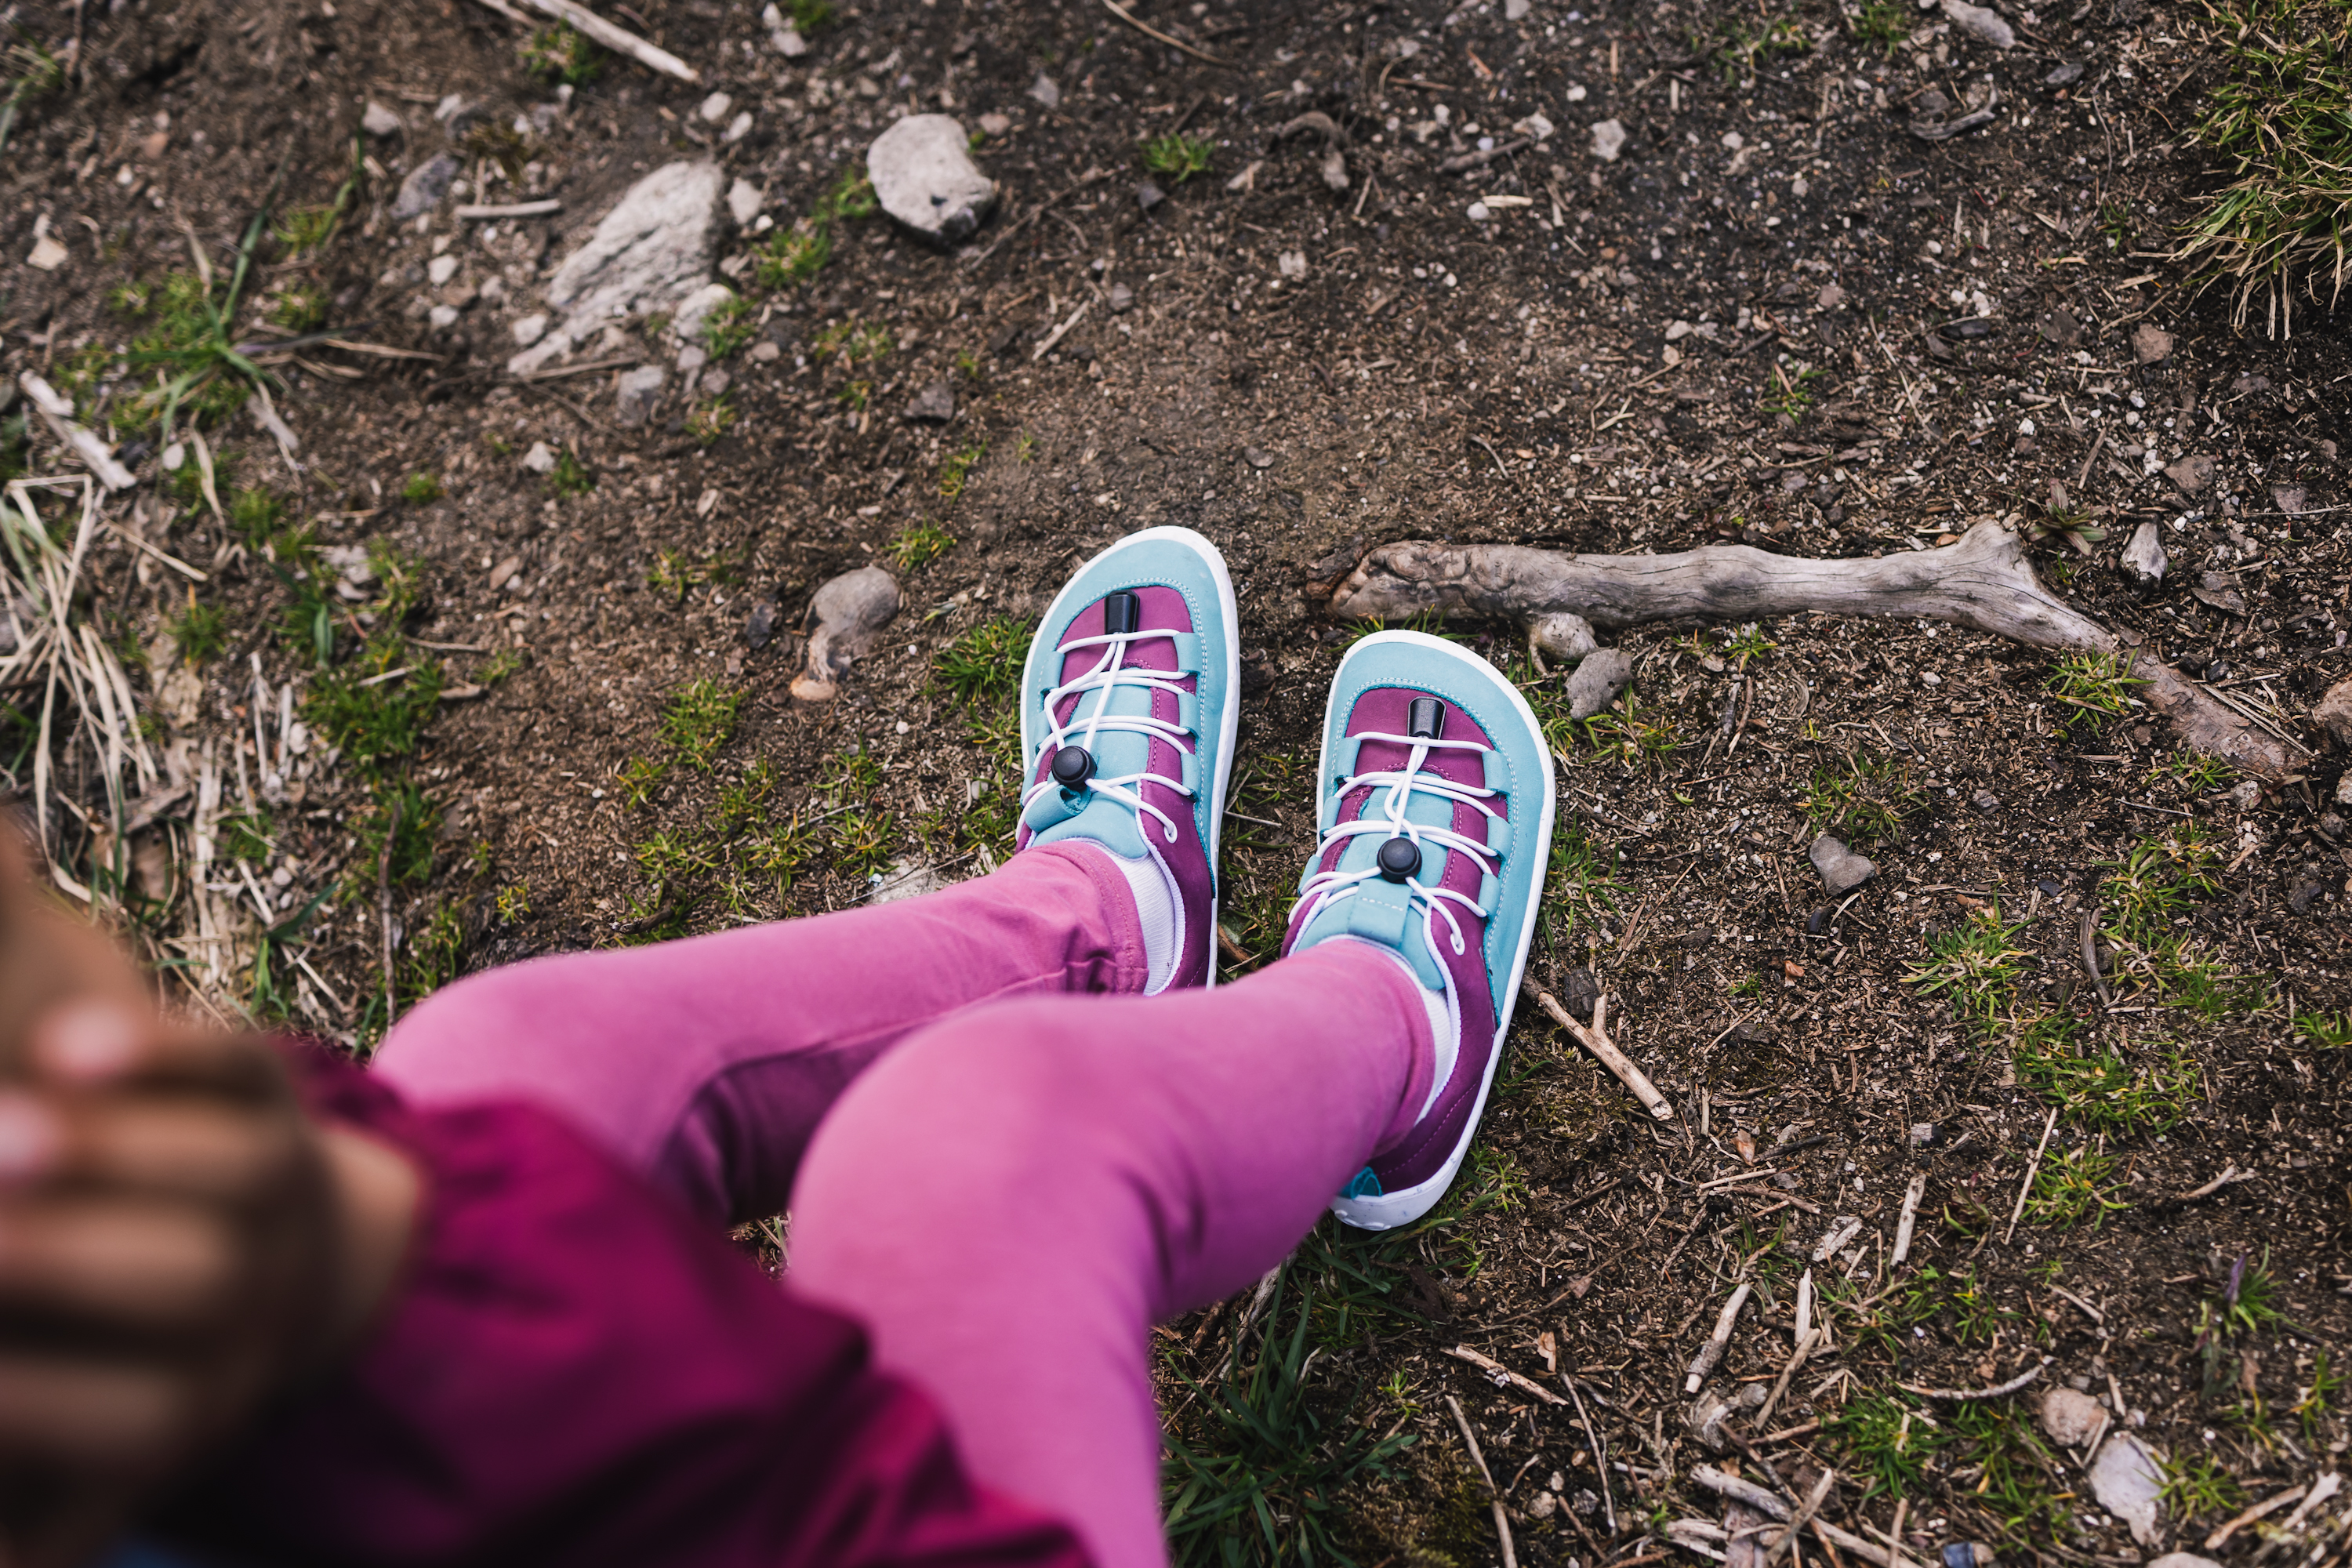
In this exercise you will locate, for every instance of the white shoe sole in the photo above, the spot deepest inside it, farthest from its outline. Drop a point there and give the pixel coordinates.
(1390, 1210)
(1227, 729)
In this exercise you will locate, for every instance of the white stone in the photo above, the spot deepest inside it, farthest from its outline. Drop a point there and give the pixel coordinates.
(695, 307)
(1292, 264)
(1984, 23)
(651, 253)
(2071, 1418)
(440, 269)
(1536, 126)
(530, 330)
(736, 129)
(1608, 140)
(1044, 90)
(177, 453)
(2144, 558)
(1517, 10)
(637, 389)
(47, 254)
(1841, 870)
(2128, 1481)
(539, 459)
(443, 317)
(744, 200)
(716, 107)
(924, 177)
(378, 120)
(1598, 677)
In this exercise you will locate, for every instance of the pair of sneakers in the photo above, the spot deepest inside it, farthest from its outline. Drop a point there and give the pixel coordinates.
(1433, 812)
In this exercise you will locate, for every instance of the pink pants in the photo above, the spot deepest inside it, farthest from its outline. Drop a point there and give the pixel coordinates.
(1005, 1170)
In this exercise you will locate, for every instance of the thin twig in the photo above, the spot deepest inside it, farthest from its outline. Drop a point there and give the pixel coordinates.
(1803, 1517)
(1502, 1522)
(1910, 1217)
(1596, 1040)
(618, 39)
(2091, 963)
(1600, 1453)
(1998, 1390)
(1150, 32)
(1501, 1373)
(1712, 1352)
(2032, 1166)
(1805, 1343)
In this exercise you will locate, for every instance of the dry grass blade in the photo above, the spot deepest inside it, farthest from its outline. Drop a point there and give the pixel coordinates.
(85, 698)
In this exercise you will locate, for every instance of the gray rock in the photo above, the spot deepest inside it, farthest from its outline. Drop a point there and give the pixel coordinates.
(2344, 784)
(2069, 1419)
(2151, 344)
(2064, 74)
(2128, 1481)
(539, 459)
(924, 177)
(2193, 474)
(378, 120)
(935, 404)
(2333, 713)
(1981, 22)
(2144, 557)
(2183, 1559)
(716, 380)
(1841, 870)
(1148, 195)
(528, 329)
(639, 390)
(424, 187)
(1257, 457)
(695, 306)
(1608, 140)
(1563, 635)
(1046, 91)
(651, 252)
(2305, 896)
(715, 108)
(761, 626)
(849, 610)
(1598, 677)
(744, 202)
(1122, 299)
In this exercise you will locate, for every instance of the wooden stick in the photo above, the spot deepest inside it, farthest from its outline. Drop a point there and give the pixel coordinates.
(1502, 1522)
(2091, 963)
(618, 39)
(1600, 1453)
(2229, 1173)
(1805, 1340)
(1998, 1390)
(1127, 18)
(511, 209)
(57, 414)
(1504, 1375)
(1911, 1197)
(2264, 1510)
(1712, 1352)
(2032, 1166)
(383, 909)
(1804, 1516)
(1771, 1507)
(1596, 1040)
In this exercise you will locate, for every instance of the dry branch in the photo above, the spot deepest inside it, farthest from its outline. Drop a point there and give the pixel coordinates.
(1712, 1352)
(1502, 1520)
(620, 40)
(1998, 1391)
(1983, 582)
(1503, 1375)
(1767, 1503)
(1596, 1040)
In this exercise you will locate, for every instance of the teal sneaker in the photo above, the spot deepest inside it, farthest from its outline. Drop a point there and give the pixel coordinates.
(1434, 822)
(1128, 702)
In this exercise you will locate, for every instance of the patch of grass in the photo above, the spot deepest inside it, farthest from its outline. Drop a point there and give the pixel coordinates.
(300, 308)
(808, 16)
(513, 904)
(2316, 1401)
(33, 73)
(921, 544)
(2157, 881)
(2197, 1487)
(698, 721)
(1257, 1473)
(254, 515)
(796, 255)
(2093, 688)
(1885, 22)
(2072, 1186)
(851, 343)
(2194, 773)
(199, 632)
(433, 953)
(1790, 395)
(1179, 156)
(730, 326)
(955, 468)
(852, 775)
(1865, 801)
(420, 489)
(188, 346)
(2323, 1032)
(560, 54)
(498, 143)
(710, 420)
(569, 477)
(862, 842)
(637, 780)
(2249, 1301)
(1739, 47)
(2069, 528)
(305, 230)
(406, 814)
(374, 715)
(984, 664)
(1973, 966)
(1625, 732)
(1887, 1441)
(2281, 120)
(2018, 1479)
(2096, 1087)
(248, 835)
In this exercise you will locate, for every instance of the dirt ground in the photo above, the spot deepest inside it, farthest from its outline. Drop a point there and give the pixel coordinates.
(1777, 315)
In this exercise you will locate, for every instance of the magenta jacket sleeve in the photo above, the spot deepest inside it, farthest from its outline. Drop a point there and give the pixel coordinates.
(573, 1372)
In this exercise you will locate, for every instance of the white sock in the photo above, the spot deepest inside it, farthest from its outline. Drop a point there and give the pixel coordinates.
(1444, 1019)
(1160, 908)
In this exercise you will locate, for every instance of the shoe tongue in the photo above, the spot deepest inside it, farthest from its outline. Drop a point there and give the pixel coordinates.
(1117, 753)
(1374, 908)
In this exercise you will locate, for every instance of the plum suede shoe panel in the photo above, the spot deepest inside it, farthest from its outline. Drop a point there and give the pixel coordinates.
(575, 1372)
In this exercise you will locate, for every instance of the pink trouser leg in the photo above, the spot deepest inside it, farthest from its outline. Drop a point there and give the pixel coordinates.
(1013, 1196)
(707, 1063)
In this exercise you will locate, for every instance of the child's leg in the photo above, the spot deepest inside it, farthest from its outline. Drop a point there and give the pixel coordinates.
(1012, 1199)
(707, 1062)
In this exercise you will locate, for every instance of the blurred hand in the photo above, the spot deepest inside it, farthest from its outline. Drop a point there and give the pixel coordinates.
(179, 1241)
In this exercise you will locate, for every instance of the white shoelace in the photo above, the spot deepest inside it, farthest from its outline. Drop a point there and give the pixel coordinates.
(1110, 672)
(1386, 817)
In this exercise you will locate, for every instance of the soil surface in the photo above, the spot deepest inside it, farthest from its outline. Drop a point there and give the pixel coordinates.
(1777, 315)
